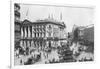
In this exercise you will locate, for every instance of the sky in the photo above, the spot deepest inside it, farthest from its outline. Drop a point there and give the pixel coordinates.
(70, 15)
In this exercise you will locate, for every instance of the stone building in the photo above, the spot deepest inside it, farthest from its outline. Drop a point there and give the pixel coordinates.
(17, 24)
(84, 33)
(42, 33)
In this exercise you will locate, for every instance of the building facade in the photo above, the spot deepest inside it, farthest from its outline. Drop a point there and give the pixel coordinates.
(41, 34)
(84, 33)
(17, 24)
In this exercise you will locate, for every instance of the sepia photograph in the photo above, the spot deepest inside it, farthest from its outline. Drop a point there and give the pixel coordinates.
(48, 34)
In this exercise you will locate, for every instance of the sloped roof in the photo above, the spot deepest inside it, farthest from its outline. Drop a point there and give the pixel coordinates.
(27, 22)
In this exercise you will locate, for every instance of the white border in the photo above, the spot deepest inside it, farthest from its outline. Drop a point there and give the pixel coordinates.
(12, 34)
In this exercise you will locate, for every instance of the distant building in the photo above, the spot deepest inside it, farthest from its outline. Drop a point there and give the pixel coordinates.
(89, 33)
(84, 32)
(42, 33)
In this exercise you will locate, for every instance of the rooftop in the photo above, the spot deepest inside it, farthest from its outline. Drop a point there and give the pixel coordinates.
(45, 21)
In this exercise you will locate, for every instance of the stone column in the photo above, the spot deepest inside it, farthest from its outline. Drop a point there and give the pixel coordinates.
(36, 34)
(21, 43)
(32, 43)
(32, 31)
(29, 31)
(25, 32)
(22, 32)
(24, 44)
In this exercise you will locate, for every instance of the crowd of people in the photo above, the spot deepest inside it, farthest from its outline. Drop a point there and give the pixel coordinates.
(72, 51)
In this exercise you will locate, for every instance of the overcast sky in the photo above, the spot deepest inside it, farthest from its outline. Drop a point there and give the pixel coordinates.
(70, 15)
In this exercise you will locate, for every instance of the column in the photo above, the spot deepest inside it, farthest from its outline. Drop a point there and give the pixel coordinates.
(24, 44)
(42, 34)
(32, 31)
(21, 43)
(25, 32)
(36, 34)
(32, 43)
(29, 31)
(22, 32)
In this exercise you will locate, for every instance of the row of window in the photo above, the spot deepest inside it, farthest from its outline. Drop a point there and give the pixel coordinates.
(38, 43)
(33, 29)
(27, 32)
(26, 35)
(38, 26)
(38, 30)
(38, 35)
(31, 43)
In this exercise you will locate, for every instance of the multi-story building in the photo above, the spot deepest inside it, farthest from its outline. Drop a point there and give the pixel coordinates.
(42, 33)
(17, 24)
(84, 33)
(87, 33)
